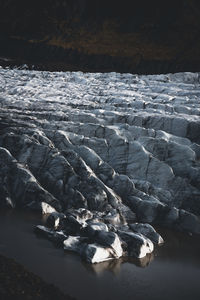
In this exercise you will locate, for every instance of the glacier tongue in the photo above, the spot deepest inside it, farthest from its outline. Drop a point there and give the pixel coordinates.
(102, 151)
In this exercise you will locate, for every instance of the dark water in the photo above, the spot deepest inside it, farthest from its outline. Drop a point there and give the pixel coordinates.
(173, 272)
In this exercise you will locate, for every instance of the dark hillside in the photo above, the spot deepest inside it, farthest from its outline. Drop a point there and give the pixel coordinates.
(127, 36)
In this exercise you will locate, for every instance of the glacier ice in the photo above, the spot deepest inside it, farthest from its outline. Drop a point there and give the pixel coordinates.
(107, 155)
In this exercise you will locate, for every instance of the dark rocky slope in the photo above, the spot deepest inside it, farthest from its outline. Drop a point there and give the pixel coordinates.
(125, 36)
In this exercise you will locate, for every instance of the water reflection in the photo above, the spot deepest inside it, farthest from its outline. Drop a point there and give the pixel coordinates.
(114, 265)
(175, 265)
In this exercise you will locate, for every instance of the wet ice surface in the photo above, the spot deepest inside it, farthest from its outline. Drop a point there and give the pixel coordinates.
(172, 272)
(110, 148)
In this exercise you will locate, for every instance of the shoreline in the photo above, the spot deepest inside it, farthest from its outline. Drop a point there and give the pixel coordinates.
(19, 283)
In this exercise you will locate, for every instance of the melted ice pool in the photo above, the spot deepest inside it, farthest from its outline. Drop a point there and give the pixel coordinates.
(173, 272)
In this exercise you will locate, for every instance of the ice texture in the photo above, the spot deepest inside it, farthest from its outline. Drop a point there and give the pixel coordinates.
(105, 154)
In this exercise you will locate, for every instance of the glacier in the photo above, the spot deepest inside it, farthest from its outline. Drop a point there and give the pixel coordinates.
(105, 156)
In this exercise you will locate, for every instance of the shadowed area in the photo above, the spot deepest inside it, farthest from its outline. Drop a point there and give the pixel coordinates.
(125, 36)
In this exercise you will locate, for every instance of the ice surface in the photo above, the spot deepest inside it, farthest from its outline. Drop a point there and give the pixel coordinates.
(125, 148)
